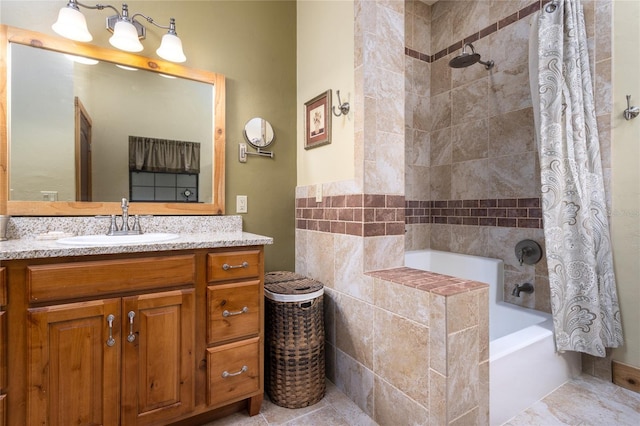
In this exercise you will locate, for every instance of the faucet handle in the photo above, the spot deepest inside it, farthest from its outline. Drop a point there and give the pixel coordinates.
(125, 203)
(136, 222)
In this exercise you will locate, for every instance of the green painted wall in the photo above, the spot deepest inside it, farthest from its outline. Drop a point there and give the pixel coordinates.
(253, 43)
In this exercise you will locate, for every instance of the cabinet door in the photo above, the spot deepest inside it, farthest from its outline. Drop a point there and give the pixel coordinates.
(158, 366)
(73, 356)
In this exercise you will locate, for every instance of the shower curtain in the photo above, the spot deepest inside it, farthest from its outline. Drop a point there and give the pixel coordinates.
(584, 300)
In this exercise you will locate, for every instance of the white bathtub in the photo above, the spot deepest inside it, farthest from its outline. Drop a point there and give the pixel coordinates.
(523, 364)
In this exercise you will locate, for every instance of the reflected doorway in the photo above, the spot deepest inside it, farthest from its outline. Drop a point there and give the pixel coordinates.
(83, 126)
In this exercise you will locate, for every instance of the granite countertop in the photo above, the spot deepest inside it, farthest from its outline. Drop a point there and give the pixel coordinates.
(31, 249)
(32, 238)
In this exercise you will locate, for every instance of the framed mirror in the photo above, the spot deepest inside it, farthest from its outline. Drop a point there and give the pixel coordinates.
(46, 168)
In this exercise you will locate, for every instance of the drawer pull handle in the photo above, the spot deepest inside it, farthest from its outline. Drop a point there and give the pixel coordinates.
(110, 341)
(226, 266)
(131, 337)
(226, 374)
(226, 313)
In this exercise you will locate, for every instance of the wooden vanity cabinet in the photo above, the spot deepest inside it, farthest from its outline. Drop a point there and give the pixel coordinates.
(3, 346)
(123, 340)
(235, 328)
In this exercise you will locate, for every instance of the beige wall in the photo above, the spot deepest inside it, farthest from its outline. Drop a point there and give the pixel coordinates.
(253, 44)
(625, 217)
(325, 61)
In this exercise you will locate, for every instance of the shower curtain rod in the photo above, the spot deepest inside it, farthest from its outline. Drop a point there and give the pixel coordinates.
(551, 6)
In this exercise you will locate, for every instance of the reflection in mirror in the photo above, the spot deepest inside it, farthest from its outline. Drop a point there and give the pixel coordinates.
(69, 132)
(118, 103)
(258, 132)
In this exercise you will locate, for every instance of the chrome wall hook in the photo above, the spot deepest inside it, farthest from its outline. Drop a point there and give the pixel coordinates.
(344, 107)
(631, 111)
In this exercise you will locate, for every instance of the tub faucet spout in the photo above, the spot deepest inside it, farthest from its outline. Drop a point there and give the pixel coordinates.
(519, 288)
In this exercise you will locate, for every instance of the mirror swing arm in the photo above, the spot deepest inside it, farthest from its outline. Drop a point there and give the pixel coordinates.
(243, 152)
(10, 35)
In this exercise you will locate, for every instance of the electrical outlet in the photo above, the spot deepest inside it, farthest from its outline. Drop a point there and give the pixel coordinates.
(319, 193)
(49, 195)
(241, 203)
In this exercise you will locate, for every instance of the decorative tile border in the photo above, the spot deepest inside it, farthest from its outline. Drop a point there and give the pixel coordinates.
(365, 215)
(504, 212)
(521, 14)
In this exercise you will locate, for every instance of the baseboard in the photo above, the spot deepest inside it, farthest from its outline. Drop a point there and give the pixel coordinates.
(626, 376)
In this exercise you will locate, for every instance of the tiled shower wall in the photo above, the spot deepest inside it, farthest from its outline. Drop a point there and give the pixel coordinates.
(472, 173)
(468, 138)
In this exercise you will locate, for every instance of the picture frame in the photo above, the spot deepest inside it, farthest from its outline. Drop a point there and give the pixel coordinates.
(317, 121)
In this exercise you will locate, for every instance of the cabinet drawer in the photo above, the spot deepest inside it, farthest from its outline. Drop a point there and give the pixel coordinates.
(3, 286)
(233, 371)
(89, 279)
(233, 265)
(233, 310)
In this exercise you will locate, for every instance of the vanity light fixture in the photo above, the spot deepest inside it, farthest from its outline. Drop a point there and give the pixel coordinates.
(127, 32)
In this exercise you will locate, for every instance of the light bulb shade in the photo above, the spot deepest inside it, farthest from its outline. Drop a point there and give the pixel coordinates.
(72, 24)
(125, 37)
(171, 48)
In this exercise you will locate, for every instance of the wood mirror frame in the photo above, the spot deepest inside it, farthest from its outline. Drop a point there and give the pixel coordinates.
(10, 34)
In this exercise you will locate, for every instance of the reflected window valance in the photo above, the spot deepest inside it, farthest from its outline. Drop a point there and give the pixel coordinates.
(163, 155)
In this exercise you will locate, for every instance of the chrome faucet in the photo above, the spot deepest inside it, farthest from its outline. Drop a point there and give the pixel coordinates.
(522, 288)
(125, 215)
(124, 229)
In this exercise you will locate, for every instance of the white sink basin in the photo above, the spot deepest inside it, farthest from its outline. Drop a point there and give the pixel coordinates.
(108, 240)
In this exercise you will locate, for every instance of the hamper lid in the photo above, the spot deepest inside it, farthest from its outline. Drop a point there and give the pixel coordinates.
(295, 287)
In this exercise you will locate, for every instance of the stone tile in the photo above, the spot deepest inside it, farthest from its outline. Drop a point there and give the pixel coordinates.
(401, 355)
(355, 381)
(603, 87)
(348, 266)
(510, 90)
(325, 416)
(470, 180)
(394, 408)
(469, 102)
(440, 111)
(354, 329)
(440, 152)
(274, 414)
(383, 252)
(512, 133)
(440, 77)
(514, 176)
(438, 398)
(438, 334)
(440, 182)
(346, 408)
(462, 311)
(402, 300)
(321, 257)
(469, 240)
(510, 46)
(464, 375)
(440, 237)
(470, 141)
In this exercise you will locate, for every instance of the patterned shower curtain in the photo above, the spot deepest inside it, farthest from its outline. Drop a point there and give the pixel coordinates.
(584, 300)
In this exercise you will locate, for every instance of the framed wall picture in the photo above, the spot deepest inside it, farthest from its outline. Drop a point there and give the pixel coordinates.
(317, 121)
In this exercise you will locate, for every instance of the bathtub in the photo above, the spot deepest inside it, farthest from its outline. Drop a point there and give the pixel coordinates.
(523, 363)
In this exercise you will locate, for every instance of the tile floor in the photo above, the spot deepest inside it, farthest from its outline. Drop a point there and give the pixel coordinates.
(585, 401)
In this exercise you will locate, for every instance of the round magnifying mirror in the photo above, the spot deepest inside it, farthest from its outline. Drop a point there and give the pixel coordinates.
(258, 132)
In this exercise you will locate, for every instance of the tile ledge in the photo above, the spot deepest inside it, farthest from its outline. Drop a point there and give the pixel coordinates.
(431, 282)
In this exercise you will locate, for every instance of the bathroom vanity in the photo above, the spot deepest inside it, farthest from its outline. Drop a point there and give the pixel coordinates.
(139, 334)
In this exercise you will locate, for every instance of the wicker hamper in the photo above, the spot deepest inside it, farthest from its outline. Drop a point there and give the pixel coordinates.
(294, 341)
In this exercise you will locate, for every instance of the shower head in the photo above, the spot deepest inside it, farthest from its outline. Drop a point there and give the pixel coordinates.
(466, 59)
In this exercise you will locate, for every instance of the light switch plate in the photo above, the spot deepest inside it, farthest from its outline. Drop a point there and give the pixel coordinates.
(241, 203)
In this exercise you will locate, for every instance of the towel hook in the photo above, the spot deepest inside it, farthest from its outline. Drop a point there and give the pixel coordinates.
(631, 111)
(344, 107)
